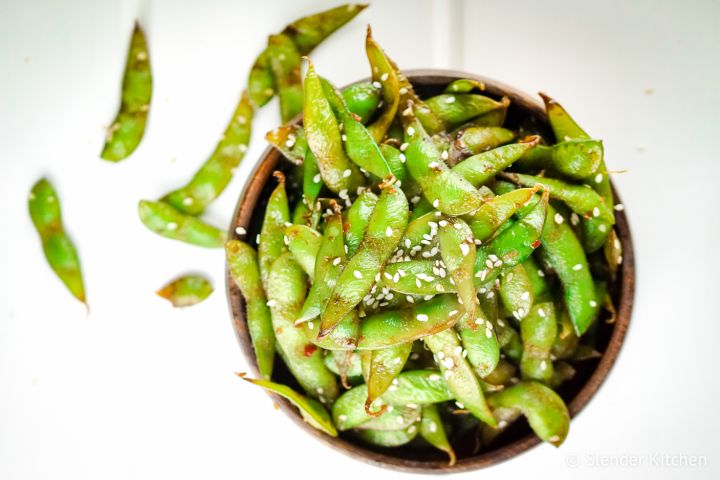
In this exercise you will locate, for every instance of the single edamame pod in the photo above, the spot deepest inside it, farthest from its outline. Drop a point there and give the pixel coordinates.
(286, 292)
(284, 60)
(310, 409)
(217, 171)
(479, 341)
(324, 139)
(576, 159)
(459, 376)
(454, 109)
(516, 291)
(308, 32)
(186, 291)
(384, 365)
(163, 219)
(303, 243)
(385, 77)
(545, 410)
(538, 332)
(126, 131)
(243, 266)
(482, 167)
(362, 99)
(357, 218)
(457, 249)
(60, 252)
(474, 140)
(272, 233)
(433, 431)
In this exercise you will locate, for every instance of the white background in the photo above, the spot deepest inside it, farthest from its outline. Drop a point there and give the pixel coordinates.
(139, 390)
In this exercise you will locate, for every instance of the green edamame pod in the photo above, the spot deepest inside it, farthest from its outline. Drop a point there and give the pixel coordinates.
(396, 161)
(308, 32)
(538, 332)
(290, 141)
(458, 374)
(343, 337)
(324, 139)
(414, 388)
(329, 263)
(516, 291)
(217, 171)
(613, 251)
(186, 291)
(576, 159)
(545, 410)
(285, 62)
(311, 410)
(357, 218)
(389, 438)
(393, 418)
(385, 77)
(303, 243)
(387, 224)
(286, 292)
(261, 82)
(479, 341)
(362, 99)
(454, 109)
(482, 167)
(540, 288)
(395, 327)
(494, 212)
(126, 131)
(474, 140)
(384, 366)
(243, 266)
(432, 430)
(60, 252)
(446, 191)
(418, 277)
(464, 85)
(360, 146)
(561, 251)
(272, 233)
(161, 218)
(457, 249)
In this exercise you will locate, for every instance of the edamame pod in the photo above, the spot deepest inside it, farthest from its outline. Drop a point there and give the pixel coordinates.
(161, 218)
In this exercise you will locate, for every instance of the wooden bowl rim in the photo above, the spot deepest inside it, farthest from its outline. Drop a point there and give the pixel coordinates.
(243, 214)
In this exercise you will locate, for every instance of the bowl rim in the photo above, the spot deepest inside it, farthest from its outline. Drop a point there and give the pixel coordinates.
(242, 215)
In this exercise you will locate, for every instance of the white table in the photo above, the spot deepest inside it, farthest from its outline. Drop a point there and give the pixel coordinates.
(138, 390)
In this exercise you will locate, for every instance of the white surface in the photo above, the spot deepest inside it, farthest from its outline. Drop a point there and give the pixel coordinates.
(138, 390)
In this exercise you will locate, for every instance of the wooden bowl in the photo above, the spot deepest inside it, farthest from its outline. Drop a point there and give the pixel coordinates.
(524, 110)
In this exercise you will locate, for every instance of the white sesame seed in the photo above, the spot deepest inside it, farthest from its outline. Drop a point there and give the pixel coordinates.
(599, 178)
(457, 350)
(450, 99)
(436, 203)
(602, 227)
(525, 296)
(433, 165)
(521, 312)
(559, 218)
(384, 77)
(257, 239)
(240, 230)
(434, 377)
(316, 178)
(441, 355)
(540, 273)
(444, 155)
(574, 218)
(410, 299)
(541, 312)
(458, 226)
(387, 275)
(421, 317)
(439, 288)
(337, 261)
(397, 362)
(410, 131)
(448, 362)
(388, 232)
(447, 374)
(490, 295)
(577, 267)
(377, 84)
(465, 249)
(271, 303)
(404, 146)
(488, 333)
(593, 303)
(342, 417)
(432, 427)
(347, 173)
(596, 212)
(543, 365)
(619, 207)
(357, 274)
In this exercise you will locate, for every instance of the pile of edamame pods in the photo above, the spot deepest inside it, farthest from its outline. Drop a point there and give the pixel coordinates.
(422, 269)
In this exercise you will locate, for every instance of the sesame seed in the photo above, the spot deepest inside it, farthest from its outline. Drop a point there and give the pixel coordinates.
(599, 178)
(457, 350)
(458, 226)
(433, 165)
(525, 296)
(387, 275)
(521, 312)
(596, 212)
(188, 201)
(436, 203)
(410, 299)
(357, 274)
(377, 84)
(543, 365)
(337, 261)
(465, 249)
(441, 355)
(554, 439)
(403, 91)
(240, 230)
(460, 405)
(434, 377)
(619, 207)
(448, 362)
(347, 173)
(447, 374)
(439, 288)
(400, 419)
(384, 77)
(316, 178)
(559, 218)
(444, 155)
(450, 99)
(540, 273)
(271, 303)
(172, 226)
(343, 193)
(428, 297)
(410, 131)
(452, 313)
(593, 303)
(541, 312)
(402, 158)
(574, 219)
(257, 239)
(432, 427)
(388, 232)
(489, 263)
(342, 417)
(602, 227)
(488, 333)
(577, 267)
(403, 147)
(417, 282)
(490, 295)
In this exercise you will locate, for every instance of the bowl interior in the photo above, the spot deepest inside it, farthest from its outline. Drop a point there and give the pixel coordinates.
(525, 114)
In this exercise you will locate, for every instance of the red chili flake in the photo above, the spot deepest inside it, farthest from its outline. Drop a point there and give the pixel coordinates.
(310, 349)
(536, 243)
